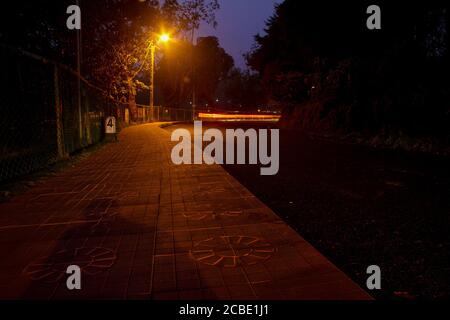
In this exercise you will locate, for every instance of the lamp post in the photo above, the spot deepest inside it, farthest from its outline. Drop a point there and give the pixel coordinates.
(164, 38)
(152, 79)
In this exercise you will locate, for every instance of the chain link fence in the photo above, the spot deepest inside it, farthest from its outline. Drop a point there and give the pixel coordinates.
(27, 114)
(48, 112)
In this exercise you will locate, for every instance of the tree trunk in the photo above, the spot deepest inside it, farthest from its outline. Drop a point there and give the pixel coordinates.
(132, 102)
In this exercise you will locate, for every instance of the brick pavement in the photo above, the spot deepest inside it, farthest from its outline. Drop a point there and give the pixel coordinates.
(143, 228)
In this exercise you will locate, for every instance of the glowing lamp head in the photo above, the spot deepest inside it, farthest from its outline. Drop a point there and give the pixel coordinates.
(164, 38)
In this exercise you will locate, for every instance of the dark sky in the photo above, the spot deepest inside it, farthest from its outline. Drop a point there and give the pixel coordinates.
(239, 21)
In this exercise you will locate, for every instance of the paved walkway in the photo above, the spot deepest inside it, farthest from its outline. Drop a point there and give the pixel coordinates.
(143, 228)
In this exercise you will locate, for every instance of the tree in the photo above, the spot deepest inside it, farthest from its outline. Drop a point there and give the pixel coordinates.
(115, 37)
(212, 64)
(116, 49)
(242, 90)
(39, 27)
(174, 74)
(320, 58)
(125, 28)
(191, 13)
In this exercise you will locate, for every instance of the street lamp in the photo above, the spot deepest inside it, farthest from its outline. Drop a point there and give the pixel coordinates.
(163, 38)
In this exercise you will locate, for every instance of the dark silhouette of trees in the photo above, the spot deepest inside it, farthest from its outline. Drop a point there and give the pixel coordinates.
(39, 27)
(115, 40)
(319, 61)
(242, 91)
(115, 37)
(211, 65)
(191, 13)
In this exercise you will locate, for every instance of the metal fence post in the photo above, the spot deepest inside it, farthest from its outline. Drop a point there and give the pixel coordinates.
(58, 116)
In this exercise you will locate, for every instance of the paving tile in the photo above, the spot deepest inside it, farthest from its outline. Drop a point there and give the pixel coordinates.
(143, 228)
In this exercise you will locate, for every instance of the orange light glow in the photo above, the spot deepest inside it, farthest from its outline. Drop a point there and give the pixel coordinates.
(164, 38)
(238, 117)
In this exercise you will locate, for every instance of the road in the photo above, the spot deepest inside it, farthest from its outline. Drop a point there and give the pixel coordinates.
(360, 207)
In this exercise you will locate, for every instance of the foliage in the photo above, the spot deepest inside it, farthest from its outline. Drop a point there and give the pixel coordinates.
(35, 26)
(115, 37)
(127, 30)
(319, 56)
(242, 90)
(191, 13)
(175, 75)
(212, 64)
(116, 49)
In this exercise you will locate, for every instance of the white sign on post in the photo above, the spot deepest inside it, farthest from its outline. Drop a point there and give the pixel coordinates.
(110, 125)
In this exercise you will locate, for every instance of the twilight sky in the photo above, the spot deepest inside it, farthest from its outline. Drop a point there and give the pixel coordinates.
(239, 21)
